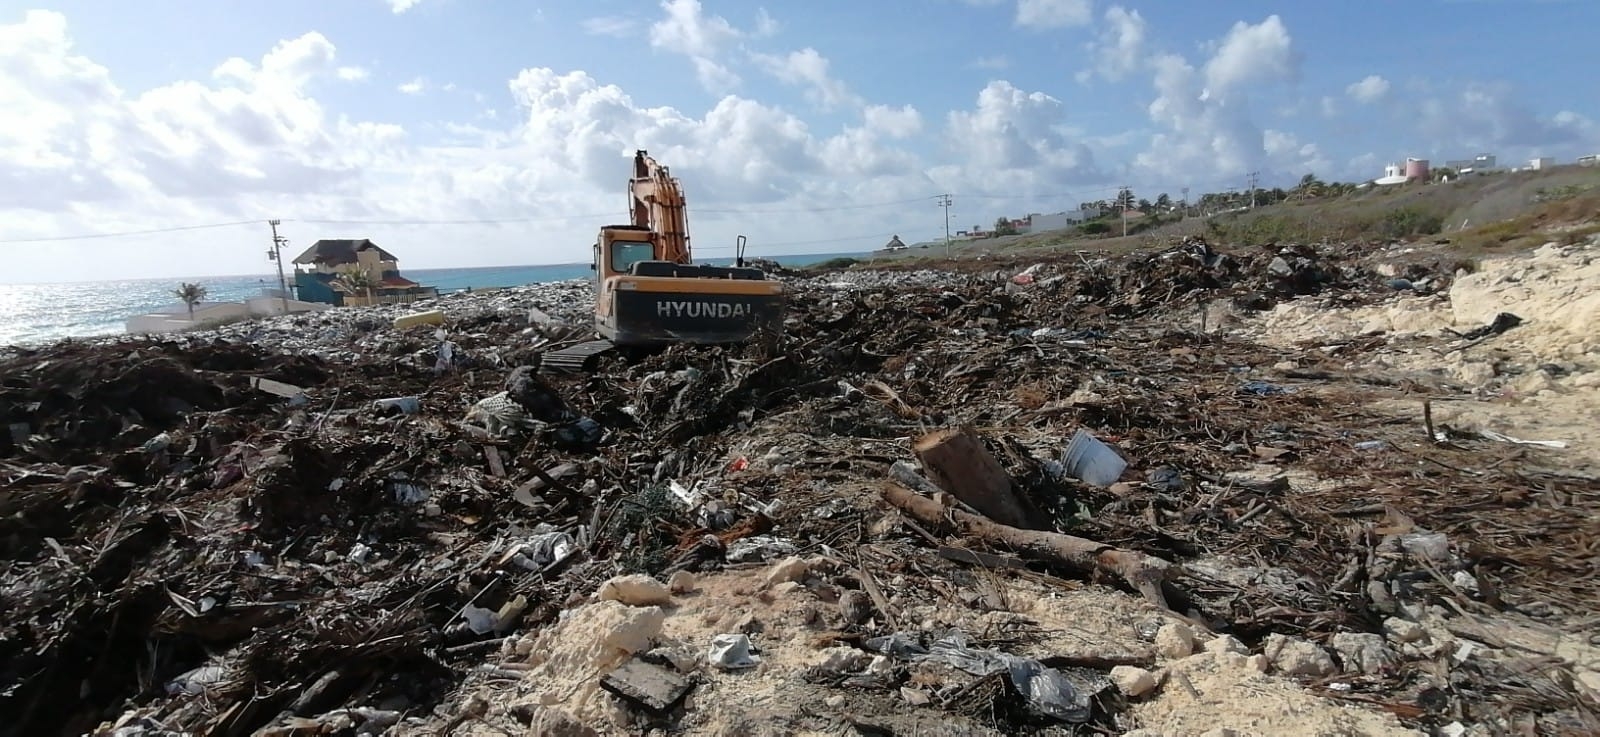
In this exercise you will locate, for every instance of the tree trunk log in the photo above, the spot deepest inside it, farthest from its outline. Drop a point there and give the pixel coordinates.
(1143, 573)
(957, 462)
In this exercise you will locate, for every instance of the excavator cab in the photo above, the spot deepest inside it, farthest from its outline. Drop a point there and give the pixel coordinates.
(648, 290)
(644, 299)
(648, 293)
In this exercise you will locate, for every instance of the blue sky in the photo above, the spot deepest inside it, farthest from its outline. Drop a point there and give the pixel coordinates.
(820, 126)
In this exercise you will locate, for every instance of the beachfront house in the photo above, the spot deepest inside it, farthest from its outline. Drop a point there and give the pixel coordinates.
(353, 272)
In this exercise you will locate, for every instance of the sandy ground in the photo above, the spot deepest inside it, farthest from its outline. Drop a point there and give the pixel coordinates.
(1537, 381)
(1207, 683)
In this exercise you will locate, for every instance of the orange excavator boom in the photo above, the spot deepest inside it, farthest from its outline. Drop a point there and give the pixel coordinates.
(656, 201)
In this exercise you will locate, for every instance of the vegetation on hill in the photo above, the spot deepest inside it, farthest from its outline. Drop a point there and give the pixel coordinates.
(1480, 213)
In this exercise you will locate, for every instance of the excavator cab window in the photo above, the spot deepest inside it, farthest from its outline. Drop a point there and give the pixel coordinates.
(624, 254)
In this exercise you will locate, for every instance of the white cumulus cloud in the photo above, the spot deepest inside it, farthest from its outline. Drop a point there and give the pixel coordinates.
(1119, 50)
(687, 30)
(1206, 134)
(1371, 89)
(1050, 14)
(809, 69)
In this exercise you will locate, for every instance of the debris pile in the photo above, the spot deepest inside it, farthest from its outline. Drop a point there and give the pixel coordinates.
(1032, 501)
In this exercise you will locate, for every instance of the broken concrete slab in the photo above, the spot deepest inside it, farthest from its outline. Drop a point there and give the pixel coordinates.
(649, 686)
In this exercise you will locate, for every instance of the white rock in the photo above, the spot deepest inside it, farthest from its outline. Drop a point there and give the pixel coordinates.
(915, 696)
(1404, 631)
(1133, 681)
(788, 569)
(635, 590)
(1295, 657)
(845, 659)
(1589, 678)
(1226, 644)
(1362, 652)
(682, 582)
(1258, 663)
(1175, 640)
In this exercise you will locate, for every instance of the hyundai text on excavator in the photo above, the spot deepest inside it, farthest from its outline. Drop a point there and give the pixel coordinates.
(650, 294)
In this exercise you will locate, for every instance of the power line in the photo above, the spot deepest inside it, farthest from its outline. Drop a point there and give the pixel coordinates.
(830, 208)
(120, 234)
(560, 218)
(480, 221)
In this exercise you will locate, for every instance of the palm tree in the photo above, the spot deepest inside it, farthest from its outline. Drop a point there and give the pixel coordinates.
(1310, 186)
(191, 294)
(1125, 200)
(357, 279)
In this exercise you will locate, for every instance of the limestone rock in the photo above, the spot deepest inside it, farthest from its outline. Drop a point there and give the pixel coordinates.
(845, 659)
(557, 722)
(789, 569)
(1404, 631)
(1133, 681)
(682, 582)
(635, 590)
(1175, 640)
(1362, 652)
(1226, 644)
(1295, 657)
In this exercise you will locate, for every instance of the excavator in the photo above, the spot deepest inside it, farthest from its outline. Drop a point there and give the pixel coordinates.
(650, 294)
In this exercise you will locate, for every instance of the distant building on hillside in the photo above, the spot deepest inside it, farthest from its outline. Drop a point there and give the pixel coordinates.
(353, 272)
(1413, 170)
(1540, 163)
(1480, 164)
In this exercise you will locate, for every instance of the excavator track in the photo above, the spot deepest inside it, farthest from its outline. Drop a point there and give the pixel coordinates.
(576, 359)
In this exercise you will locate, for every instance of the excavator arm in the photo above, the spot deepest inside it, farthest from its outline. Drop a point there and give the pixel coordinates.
(656, 201)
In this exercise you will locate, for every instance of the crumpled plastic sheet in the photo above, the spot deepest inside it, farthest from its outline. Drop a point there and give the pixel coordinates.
(732, 652)
(1048, 691)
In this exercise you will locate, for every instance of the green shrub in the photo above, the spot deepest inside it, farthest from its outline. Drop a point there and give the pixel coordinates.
(1407, 222)
(1098, 227)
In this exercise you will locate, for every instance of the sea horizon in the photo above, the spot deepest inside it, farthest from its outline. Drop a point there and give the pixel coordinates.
(40, 312)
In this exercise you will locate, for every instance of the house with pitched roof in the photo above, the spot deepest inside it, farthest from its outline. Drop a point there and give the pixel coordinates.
(353, 272)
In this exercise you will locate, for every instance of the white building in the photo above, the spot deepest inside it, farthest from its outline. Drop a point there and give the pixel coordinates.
(1542, 162)
(176, 318)
(1038, 223)
(1392, 174)
(1481, 164)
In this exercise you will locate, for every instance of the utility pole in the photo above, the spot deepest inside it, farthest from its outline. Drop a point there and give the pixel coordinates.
(1185, 191)
(1123, 206)
(1254, 176)
(944, 201)
(275, 254)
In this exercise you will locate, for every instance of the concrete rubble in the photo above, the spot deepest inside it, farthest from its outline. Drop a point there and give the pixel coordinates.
(1226, 506)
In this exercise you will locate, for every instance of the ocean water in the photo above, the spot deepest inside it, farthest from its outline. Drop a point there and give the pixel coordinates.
(34, 313)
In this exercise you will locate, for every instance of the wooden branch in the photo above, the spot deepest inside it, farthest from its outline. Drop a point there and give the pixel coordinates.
(958, 462)
(1143, 573)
